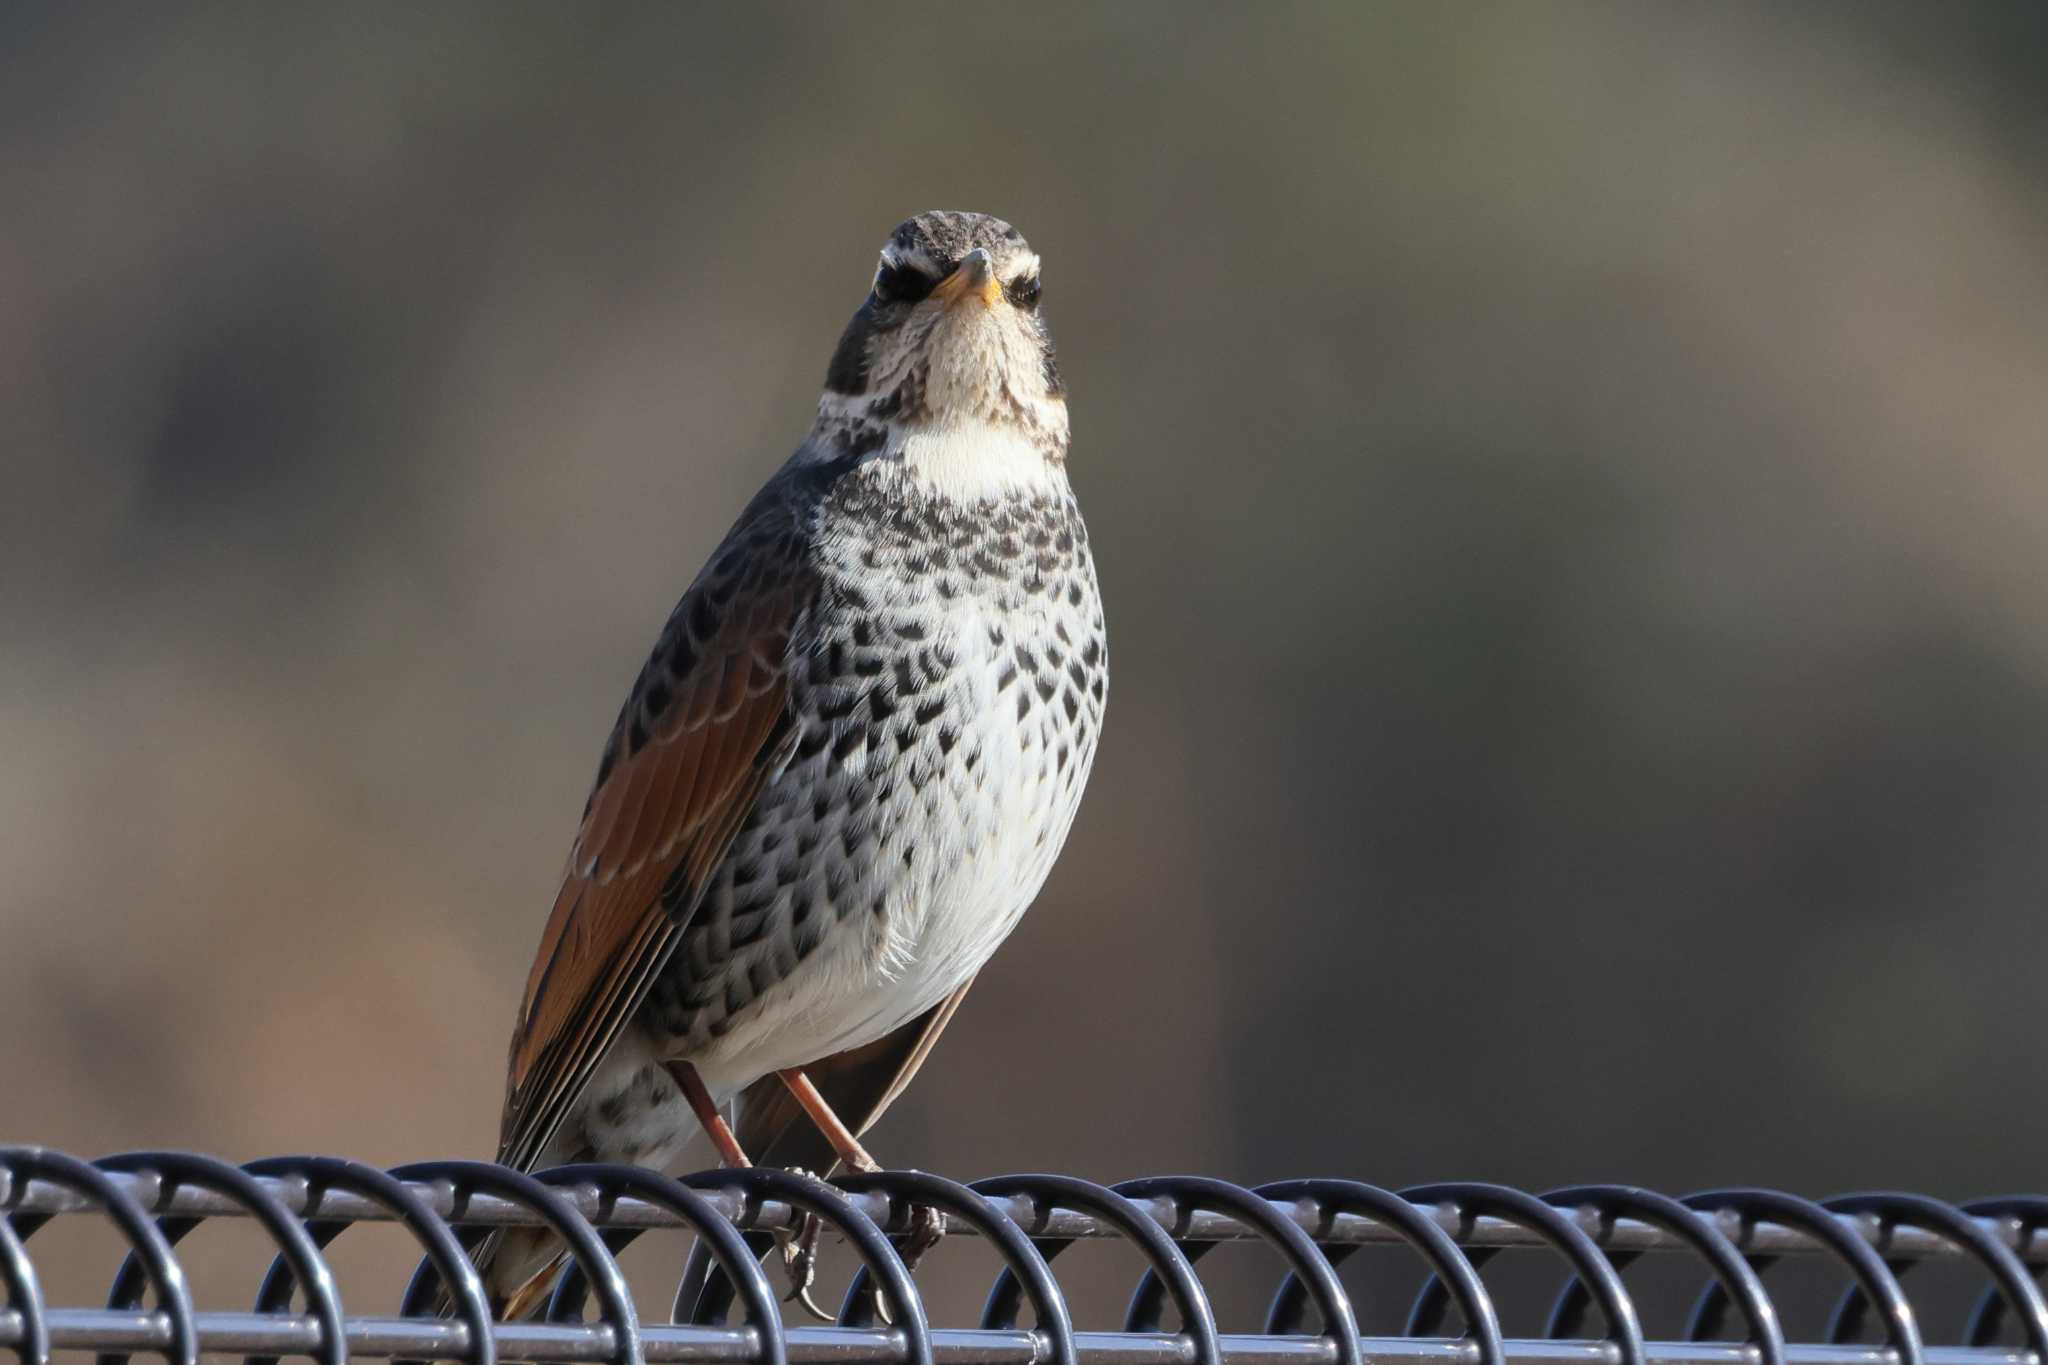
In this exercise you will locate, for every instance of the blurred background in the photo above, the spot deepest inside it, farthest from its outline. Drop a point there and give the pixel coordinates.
(1568, 483)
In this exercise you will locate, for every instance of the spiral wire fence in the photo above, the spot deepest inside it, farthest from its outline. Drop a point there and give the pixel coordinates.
(726, 1310)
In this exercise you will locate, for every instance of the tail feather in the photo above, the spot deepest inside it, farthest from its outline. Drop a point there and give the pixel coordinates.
(518, 1267)
(527, 1297)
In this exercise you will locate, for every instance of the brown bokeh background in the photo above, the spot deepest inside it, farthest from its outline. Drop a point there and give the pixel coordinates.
(1569, 485)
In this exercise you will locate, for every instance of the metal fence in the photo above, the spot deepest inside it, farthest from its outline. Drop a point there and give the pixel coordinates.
(726, 1311)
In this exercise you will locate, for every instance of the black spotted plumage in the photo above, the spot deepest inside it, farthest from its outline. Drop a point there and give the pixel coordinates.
(874, 687)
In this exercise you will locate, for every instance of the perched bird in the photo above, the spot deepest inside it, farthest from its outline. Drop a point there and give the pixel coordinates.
(847, 767)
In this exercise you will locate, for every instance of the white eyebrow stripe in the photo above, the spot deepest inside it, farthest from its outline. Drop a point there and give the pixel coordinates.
(917, 258)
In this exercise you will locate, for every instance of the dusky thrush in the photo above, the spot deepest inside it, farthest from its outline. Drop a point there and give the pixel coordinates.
(847, 767)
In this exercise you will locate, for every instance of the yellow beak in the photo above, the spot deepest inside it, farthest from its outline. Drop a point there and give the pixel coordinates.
(975, 278)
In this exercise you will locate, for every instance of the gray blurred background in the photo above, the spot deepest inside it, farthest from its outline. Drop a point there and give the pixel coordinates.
(1569, 487)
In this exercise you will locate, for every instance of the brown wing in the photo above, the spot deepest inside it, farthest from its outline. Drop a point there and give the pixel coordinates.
(858, 1084)
(704, 727)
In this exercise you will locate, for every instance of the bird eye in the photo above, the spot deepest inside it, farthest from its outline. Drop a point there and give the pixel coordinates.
(901, 284)
(1023, 293)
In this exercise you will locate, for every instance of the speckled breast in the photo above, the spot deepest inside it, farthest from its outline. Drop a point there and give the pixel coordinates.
(948, 694)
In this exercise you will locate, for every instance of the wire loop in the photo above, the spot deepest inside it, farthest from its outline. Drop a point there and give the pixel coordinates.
(1050, 1192)
(1450, 1263)
(1188, 1194)
(444, 1254)
(467, 1178)
(24, 1297)
(2009, 1278)
(1870, 1271)
(609, 1183)
(2026, 1215)
(1470, 1200)
(308, 1268)
(166, 1277)
(1737, 1278)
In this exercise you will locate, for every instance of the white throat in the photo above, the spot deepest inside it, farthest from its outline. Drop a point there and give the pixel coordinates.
(970, 461)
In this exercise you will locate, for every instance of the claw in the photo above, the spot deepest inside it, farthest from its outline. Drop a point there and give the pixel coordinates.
(927, 1229)
(802, 1297)
(800, 1265)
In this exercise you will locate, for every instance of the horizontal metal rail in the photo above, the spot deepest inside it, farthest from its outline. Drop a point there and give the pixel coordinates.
(166, 1198)
(726, 1311)
(247, 1333)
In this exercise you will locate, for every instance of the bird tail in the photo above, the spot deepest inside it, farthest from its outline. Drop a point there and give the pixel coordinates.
(518, 1266)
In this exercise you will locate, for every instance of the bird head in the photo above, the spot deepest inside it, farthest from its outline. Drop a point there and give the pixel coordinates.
(949, 339)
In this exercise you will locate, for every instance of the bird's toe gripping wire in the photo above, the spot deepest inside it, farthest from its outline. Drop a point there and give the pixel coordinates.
(800, 1254)
(927, 1230)
(800, 1261)
(800, 1248)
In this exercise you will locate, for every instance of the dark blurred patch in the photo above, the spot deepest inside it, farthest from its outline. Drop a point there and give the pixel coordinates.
(258, 375)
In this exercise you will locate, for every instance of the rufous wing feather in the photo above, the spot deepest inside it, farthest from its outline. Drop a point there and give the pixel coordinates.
(705, 726)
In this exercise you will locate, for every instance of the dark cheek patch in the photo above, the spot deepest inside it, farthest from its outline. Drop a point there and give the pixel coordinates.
(848, 372)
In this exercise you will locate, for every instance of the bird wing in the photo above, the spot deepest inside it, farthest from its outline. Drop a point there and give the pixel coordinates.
(704, 728)
(858, 1084)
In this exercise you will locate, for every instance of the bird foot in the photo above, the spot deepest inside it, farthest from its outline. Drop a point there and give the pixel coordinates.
(927, 1229)
(800, 1266)
(800, 1263)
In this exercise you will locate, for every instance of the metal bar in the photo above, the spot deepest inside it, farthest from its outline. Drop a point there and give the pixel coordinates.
(594, 1212)
(1345, 1229)
(385, 1337)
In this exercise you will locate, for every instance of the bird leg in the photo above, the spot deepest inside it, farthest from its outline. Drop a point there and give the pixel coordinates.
(837, 1133)
(799, 1253)
(927, 1225)
(715, 1127)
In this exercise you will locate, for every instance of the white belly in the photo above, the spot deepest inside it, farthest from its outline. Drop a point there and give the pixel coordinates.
(966, 835)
